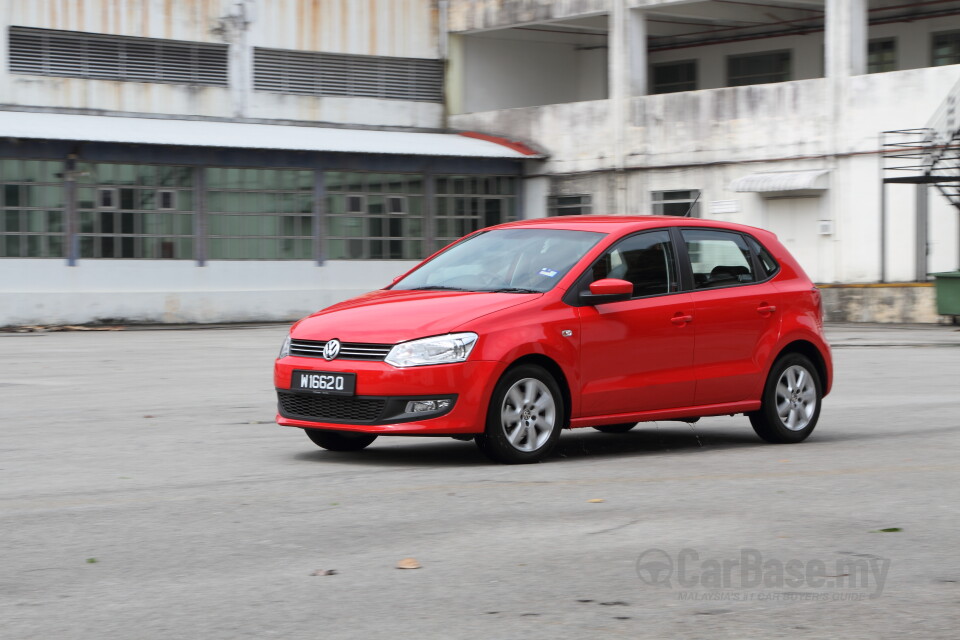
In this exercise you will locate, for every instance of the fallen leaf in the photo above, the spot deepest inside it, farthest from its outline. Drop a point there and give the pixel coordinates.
(324, 572)
(408, 563)
(596, 500)
(888, 530)
(92, 561)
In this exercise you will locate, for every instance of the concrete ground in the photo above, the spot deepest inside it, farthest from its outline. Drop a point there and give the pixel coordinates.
(147, 494)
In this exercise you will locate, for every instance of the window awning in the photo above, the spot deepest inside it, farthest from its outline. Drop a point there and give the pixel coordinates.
(242, 135)
(812, 180)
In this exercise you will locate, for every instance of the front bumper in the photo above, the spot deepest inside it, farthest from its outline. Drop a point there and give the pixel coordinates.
(382, 393)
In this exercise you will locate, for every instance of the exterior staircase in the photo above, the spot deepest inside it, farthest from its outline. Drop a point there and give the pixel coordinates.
(929, 155)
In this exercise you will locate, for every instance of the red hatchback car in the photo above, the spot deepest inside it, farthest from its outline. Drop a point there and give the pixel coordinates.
(520, 330)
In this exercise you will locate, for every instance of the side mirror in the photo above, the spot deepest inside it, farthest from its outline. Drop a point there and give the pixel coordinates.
(607, 290)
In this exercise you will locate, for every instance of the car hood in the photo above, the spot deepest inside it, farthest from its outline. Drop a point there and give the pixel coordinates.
(388, 317)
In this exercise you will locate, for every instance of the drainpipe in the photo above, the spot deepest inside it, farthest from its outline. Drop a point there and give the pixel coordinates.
(922, 233)
(883, 219)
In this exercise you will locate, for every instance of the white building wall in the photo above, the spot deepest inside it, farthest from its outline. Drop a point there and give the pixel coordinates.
(402, 28)
(705, 139)
(914, 38)
(807, 57)
(506, 73)
(119, 291)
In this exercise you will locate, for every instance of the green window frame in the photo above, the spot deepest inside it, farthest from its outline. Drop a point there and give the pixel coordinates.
(119, 214)
(32, 214)
(259, 214)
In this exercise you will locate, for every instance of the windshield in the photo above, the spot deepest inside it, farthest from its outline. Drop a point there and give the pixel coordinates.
(508, 260)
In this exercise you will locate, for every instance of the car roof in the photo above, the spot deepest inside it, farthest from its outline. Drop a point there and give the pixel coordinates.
(620, 224)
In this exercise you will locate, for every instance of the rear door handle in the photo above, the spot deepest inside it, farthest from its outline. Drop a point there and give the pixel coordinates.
(681, 319)
(766, 308)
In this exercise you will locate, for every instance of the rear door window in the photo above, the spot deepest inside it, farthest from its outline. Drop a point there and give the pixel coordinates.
(718, 258)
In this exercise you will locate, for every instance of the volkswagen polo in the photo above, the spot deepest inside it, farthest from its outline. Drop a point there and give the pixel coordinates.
(516, 332)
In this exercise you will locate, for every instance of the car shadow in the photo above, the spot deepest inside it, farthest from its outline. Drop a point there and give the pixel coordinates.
(645, 439)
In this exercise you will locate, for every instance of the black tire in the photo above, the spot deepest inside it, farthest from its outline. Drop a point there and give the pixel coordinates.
(525, 416)
(616, 428)
(340, 440)
(791, 401)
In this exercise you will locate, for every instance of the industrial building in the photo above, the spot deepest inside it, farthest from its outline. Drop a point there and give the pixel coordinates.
(240, 160)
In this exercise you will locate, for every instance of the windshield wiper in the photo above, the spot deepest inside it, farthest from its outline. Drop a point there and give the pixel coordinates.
(437, 287)
(511, 290)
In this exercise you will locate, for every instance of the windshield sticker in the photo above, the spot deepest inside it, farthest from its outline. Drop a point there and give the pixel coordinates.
(550, 273)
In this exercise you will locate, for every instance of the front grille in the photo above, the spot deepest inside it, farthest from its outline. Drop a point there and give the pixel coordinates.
(348, 350)
(322, 408)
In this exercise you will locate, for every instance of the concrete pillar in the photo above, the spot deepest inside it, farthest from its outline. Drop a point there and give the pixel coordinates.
(455, 87)
(233, 27)
(533, 197)
(628, 51)
(627, 67)
(845, 38)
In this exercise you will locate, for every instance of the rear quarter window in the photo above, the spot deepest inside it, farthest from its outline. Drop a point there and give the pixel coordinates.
(768, 265)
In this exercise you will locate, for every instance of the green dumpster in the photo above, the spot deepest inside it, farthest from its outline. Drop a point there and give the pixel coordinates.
(948, 293)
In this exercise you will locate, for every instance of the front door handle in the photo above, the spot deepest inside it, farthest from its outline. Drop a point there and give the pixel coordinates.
(681, 319)
(766, 309)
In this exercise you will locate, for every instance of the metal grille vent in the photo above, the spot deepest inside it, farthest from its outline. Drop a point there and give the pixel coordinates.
(331, 74)
(348, 350)
(306, 406)
(75, 54)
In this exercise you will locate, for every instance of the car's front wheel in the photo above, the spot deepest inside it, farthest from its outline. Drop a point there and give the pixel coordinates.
(524, 417)
(340, 440)
(791, 401)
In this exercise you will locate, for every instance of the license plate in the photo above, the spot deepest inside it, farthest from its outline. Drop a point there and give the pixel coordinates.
(328, 382)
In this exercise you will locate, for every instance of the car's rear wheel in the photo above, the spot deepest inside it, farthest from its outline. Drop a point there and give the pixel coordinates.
(340, 440)
(791, 401)
(616, 428)
(524, 417)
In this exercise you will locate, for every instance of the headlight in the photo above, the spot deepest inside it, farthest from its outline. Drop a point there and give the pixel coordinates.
(454, 347)
(285, 349)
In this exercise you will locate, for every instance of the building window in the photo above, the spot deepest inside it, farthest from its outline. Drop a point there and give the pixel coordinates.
(882, 55)
(758, 68)
(76, 54)
(676, 203)
(374, 215)
(569, 205)
(120, 213)
(328, 74)
(32, 218)
(946, 48)
(671, 77)
(107, 198)
(167, 200)
(259, 214)
(396, 204)
(467, 203)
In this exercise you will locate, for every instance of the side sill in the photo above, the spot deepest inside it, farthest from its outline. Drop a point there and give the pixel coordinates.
(668, 414)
